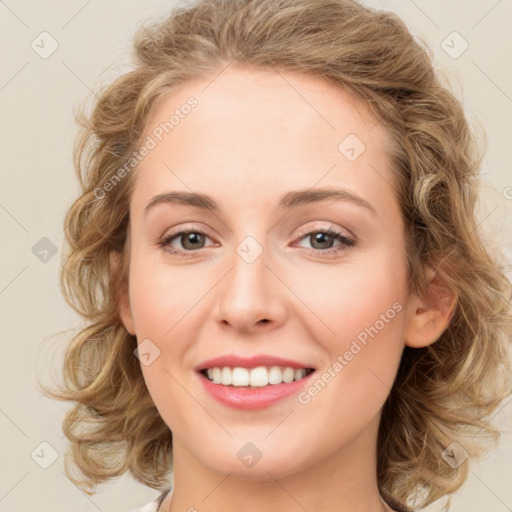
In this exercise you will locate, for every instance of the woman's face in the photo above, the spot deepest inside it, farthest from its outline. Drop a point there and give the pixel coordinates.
(259, 276)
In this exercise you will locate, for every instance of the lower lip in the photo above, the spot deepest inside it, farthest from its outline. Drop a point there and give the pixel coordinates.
(254, 398)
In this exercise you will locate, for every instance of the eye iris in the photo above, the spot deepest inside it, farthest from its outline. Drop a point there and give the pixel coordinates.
(321, 238)
(191, 238)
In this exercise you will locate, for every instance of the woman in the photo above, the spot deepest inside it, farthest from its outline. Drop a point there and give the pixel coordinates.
(291, 305)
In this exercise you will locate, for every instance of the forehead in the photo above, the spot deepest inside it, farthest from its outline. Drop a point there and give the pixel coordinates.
(252, 128)
(296, 101)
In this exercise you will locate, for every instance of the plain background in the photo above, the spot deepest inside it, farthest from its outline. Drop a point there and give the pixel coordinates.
(37, 96)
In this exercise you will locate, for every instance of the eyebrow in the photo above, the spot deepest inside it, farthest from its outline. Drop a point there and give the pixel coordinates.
(288, 201)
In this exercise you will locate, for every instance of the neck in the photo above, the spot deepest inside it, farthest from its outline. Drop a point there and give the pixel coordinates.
(343, 481)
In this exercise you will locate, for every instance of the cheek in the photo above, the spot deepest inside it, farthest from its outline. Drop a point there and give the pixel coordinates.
(359, 320)
(165, 303)
(160, 295)
(347, 298)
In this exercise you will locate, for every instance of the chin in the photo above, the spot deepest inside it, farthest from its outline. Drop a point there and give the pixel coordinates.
(256, 460)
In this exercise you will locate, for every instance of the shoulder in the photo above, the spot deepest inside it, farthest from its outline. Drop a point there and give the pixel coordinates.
(153, 505)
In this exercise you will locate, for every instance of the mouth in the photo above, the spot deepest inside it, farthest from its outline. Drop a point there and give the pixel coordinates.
(255, 382)
(254, 378)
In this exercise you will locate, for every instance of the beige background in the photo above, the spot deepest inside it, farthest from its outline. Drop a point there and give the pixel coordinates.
(38, 184)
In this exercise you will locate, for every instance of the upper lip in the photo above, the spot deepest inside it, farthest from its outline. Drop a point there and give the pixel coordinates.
(250, 362)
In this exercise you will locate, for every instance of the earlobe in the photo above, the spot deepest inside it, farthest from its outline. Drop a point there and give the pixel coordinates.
(125, 312)
(428, 317)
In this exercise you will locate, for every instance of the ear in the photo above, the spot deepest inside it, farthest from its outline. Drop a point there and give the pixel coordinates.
(125, 312)
(428, 317)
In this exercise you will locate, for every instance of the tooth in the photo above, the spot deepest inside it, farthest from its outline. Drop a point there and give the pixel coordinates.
(258, 376)
(225, 377)
(300, 373)
(275, 375)
(216, 375)
(288, 374)
(240, 376)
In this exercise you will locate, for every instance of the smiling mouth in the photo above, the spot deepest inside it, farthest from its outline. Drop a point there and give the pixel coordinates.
(252, 378)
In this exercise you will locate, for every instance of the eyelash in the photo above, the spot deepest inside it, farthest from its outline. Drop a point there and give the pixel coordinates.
(347, 242)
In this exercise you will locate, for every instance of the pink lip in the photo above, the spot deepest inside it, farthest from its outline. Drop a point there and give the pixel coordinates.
(251, 362)
(253, 398)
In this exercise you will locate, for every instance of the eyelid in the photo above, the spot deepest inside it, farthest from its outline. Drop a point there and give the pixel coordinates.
(303, 231)
(312, 229)
(186, 227)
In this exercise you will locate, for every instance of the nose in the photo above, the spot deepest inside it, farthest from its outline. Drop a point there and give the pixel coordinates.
(251, 297)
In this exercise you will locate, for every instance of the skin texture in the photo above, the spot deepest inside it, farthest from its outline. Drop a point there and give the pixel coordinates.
(254, 136)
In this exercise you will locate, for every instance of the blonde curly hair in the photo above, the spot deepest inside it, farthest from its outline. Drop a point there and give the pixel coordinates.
(443, 393)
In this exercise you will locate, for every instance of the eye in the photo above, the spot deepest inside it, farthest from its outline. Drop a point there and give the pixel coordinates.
(190, 240)
(323, 239)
